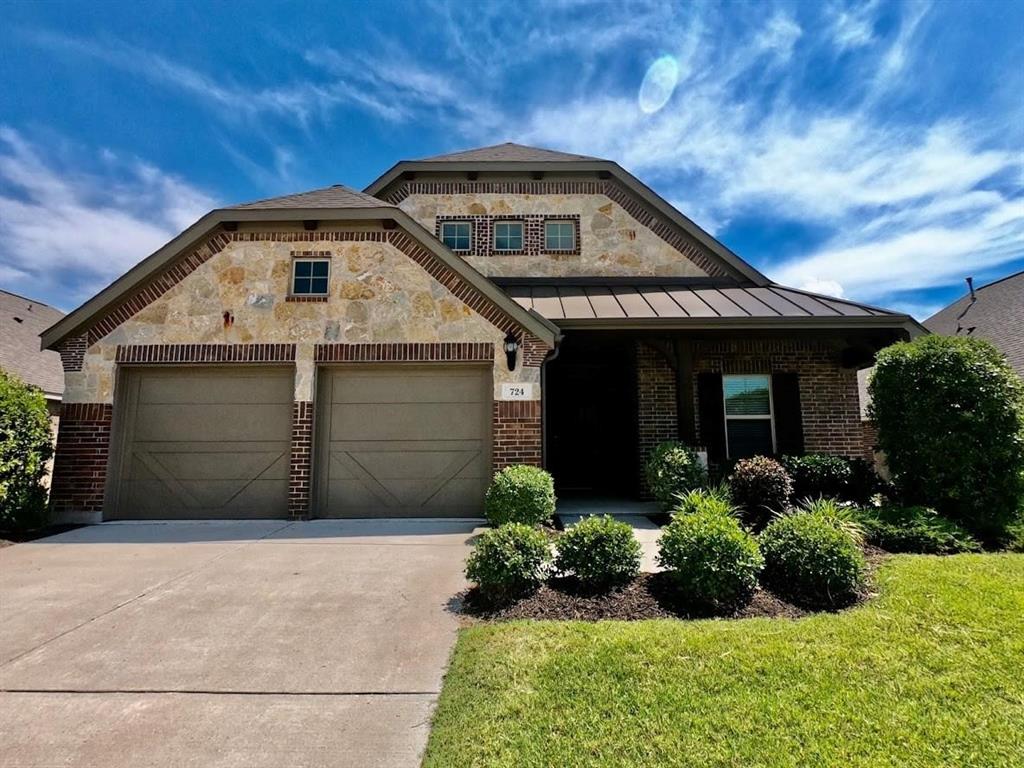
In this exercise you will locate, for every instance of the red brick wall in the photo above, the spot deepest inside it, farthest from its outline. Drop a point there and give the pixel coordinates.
(80, 462)
(517, 433)
(301, 460)
(656, 402)
(828, 393)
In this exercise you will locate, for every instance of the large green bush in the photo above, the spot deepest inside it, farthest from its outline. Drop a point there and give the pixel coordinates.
(600, 551)
(509, 561)
(822, 475)
(713, 561)
(25, 447)
(760, 487)
(916, 529)
(673, 469)
(950, 414)
(520, 494)
(811, 560)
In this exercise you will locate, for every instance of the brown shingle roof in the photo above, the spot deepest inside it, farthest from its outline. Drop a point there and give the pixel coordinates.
(997, 316)
(337, 196)
(21, 322)
(507, 152)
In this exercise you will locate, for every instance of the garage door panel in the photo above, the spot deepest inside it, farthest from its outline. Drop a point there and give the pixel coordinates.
(417, 388)
(405, 421)
(202, 443)
(240, 422)
(405, 442)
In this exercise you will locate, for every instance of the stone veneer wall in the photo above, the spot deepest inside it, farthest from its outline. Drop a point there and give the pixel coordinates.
(384, 294)
(613, 242)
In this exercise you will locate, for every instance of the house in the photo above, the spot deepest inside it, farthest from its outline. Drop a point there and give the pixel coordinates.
(337, 353)
(23, 320)
(994, 312)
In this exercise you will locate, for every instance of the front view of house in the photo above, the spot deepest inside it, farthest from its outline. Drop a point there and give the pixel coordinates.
(381, 353)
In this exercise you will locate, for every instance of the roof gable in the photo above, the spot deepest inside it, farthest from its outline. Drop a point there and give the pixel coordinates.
(507, 152)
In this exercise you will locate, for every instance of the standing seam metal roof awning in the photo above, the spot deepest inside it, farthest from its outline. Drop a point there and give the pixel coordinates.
(584, 302)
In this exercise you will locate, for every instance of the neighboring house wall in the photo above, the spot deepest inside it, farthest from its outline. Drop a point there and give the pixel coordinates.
(233, 308)
(611, 240)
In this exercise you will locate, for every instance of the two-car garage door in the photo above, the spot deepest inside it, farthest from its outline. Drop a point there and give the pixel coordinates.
(214, 443)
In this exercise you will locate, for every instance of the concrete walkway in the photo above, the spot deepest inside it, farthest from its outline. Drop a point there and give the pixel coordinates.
(227, 644)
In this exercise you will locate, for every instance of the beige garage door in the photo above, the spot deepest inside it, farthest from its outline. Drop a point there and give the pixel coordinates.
(404, 441)
(199, 443)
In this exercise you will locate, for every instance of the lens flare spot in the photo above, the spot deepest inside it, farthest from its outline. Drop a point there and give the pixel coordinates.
(659, 83)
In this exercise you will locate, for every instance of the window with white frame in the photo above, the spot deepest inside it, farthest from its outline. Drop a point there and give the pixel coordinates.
(310, 276)
(559, 236)
(749, 427)
(457, 235)
(508, 235)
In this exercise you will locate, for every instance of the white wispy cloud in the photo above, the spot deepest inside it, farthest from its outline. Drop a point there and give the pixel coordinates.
(67, 233)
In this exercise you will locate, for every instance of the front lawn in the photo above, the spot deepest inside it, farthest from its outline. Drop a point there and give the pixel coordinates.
(930, 673)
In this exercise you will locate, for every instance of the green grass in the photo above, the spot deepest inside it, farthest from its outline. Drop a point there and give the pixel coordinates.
(930, 673)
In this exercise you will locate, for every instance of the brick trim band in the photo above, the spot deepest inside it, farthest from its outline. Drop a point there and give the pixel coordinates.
(468, 352)
(300, 462)
(638, 209)
(205, 353)
(72, 352)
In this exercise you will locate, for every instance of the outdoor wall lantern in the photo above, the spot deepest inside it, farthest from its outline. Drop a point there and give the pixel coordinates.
(511, 347)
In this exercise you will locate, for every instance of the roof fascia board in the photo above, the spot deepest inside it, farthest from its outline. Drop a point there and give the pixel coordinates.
(152, 264)
(631, 182)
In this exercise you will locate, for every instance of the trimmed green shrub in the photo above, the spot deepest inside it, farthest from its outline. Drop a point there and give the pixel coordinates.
(509, 561)
(821, 475)
(713, 500)
(950, 415)
(760, 487)
(916, 529)
(811, 561)
(671, 469)
(600, 551)
(25, 447)
(520, 494)
(842, 516)
(713, 561)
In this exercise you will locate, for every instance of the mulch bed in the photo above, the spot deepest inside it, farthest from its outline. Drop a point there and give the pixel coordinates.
(7, 538)
(649, 596)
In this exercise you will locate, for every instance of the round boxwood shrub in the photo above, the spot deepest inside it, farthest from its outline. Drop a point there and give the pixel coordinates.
(509, 561)
(760, 487)
(520, 494)
(25, 447)
(811, 561)
(713, 561)
(672, 469)
(950, 415)
(916, 529)
(600, 551)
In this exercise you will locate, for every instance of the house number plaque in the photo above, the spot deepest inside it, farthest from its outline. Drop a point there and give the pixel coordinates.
(517, 392)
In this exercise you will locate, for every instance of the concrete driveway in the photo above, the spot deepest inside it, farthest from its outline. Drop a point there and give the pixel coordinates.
(227, 644)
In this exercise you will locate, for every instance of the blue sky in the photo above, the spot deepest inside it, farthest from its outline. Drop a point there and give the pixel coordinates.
(872, 150)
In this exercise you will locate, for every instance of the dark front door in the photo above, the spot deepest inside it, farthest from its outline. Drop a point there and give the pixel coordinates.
(591, 417)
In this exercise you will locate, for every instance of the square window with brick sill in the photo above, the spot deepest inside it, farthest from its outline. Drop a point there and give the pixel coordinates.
(508, 236)
(310, 277)
(457, 235)
(559, 236)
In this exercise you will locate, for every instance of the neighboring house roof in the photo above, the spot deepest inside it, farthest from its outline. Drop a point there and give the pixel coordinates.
(996, 315)
(508, 152)
(689, 302)
(535, 159)
(332, 203)
(21, 322)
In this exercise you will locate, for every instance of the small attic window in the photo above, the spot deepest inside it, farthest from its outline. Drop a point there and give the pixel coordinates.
(508, 236)
(310, 277)
(457, 235)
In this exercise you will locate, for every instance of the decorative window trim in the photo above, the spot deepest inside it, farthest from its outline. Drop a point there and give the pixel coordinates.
(769, 417)
(453, 223)
(309, 295)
